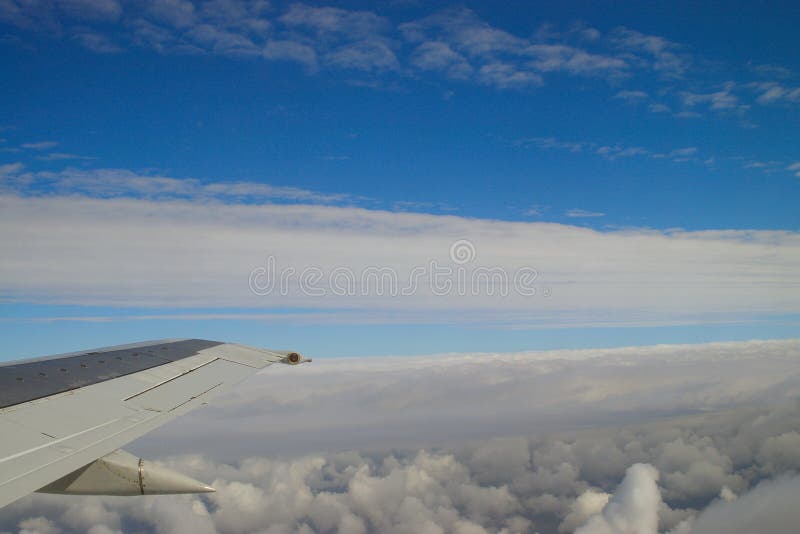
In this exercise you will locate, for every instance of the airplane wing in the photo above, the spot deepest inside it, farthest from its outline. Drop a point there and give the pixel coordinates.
(64, 418)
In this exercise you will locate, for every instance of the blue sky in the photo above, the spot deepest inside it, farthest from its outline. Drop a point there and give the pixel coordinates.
(644, 119)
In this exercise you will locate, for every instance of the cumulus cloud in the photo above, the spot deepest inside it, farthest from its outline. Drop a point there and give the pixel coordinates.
(634, 507)
(769, 507)
(588, 504)
(593, 441)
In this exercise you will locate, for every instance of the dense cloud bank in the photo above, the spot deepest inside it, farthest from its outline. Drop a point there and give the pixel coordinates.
(444, 400)
(731, 469)
(584, 277)
(737, 467)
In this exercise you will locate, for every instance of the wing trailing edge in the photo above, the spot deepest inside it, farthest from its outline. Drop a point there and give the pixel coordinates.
(121, 473)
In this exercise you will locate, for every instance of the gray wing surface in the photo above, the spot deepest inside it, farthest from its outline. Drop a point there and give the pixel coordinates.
(60, 414)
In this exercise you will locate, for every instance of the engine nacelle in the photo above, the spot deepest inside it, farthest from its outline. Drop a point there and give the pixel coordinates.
(294, 358)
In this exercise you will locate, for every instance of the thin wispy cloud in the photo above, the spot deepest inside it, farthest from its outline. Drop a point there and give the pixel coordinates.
(662, 55)
(39, 145)
(579, 213)
(610, 152)
(111, 183)
(59, 156)
(9, 170)
(776, 93)
(722, 100)
(632, 96)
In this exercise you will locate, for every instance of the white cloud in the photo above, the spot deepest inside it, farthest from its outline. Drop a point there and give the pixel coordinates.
(97, 42)
(244, 15)
(10, 169)
(501, 58)
(465, 32)
(367, 55)
(38, 525)
(722, 100)
(771, 507)
(590, 274)
(507, 76)
(223, 42)
(634, 507)
(665, 56)
(291, 51)
(436, 55)
(458, 450)
(482, 395)
(611, 152)
(40, 145)
(106, 10)
(632, 96)
(57, 156)
(776, 93)
(223, 27)
(683, 152)
(177, 13)
(331, 20)
(775, 71)
(548, 57)
(107, 183)
(590, 503)
(575, 212)
(455, 42)
(536, 210)
(552, 142)
(659, 108)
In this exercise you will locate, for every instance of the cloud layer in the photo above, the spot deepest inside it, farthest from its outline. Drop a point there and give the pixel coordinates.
(607, 460)
(114, 237)
(454, 45)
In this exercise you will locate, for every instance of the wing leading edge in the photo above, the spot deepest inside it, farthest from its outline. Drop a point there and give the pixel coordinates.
(63, 418)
